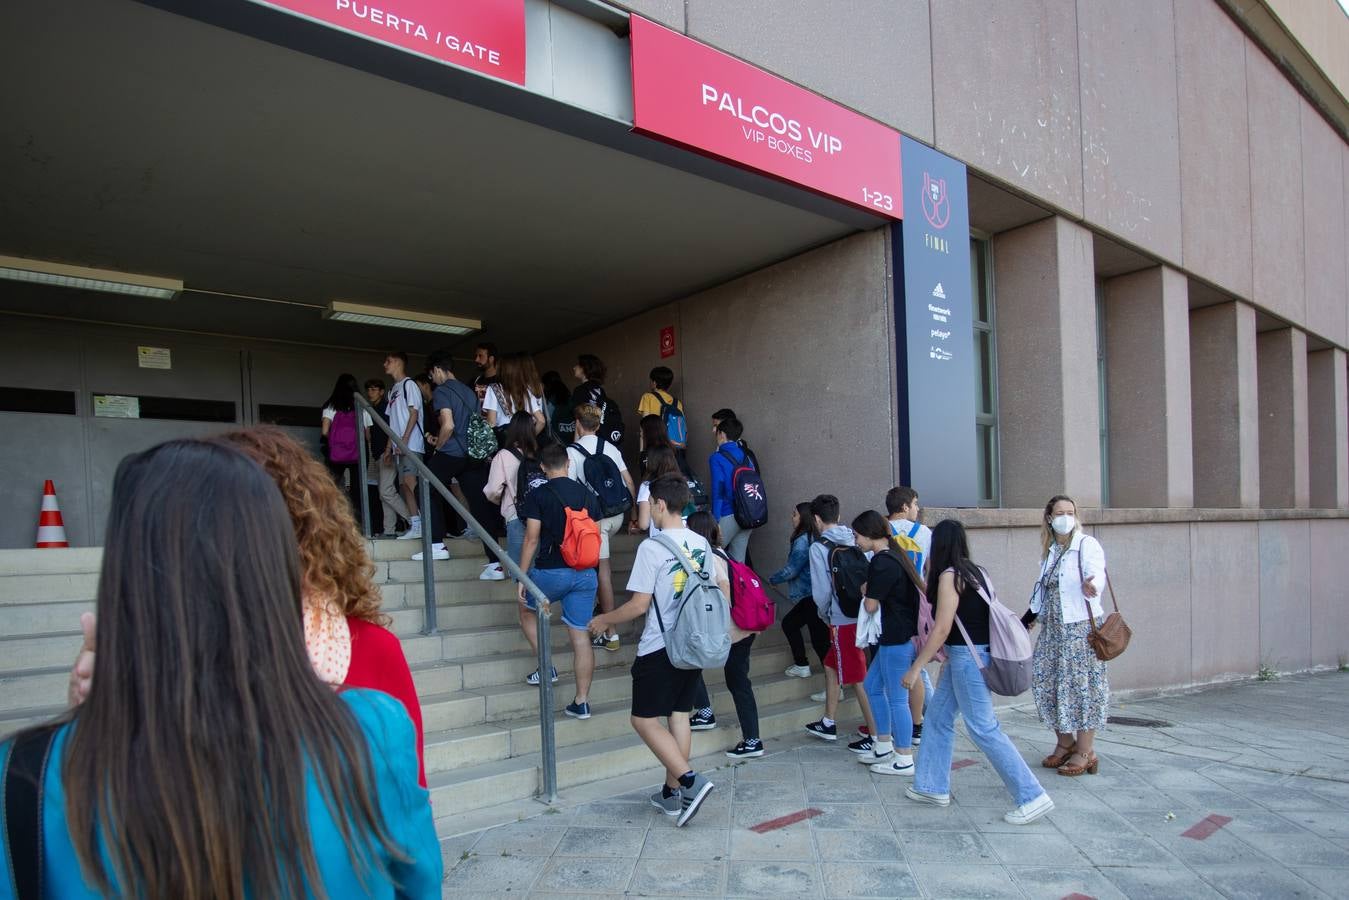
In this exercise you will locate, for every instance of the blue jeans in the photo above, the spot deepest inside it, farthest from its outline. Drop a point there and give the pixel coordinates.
(889, 699)
(515, 539)
(961, 689)
(574, 590)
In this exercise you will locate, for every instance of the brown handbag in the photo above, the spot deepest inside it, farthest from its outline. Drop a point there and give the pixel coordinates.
(1111, 638)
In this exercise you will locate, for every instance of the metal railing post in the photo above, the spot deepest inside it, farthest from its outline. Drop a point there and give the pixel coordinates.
(362, 470)
(429, 482)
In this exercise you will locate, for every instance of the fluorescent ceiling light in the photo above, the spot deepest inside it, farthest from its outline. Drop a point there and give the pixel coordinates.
(360, 314)
(37, 271)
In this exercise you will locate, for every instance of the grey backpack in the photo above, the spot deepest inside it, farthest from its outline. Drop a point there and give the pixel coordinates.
(700, 635)
(1008, 672)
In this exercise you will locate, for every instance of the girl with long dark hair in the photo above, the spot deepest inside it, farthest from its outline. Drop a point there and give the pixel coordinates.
(796, 574)
(208, 759)
(518, 448)
(962, 592)
(340, 434)
(660, 460)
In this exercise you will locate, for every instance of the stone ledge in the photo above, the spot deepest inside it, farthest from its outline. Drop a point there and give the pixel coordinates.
(1030, 518)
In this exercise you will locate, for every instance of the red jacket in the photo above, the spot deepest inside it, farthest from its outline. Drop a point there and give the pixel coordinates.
(377, 662)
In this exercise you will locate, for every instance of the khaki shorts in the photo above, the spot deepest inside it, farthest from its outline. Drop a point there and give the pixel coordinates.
(610, 526)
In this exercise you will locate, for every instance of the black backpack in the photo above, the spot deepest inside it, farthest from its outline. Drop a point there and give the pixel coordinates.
(604, 480)
(749, 502)
(529, 477)
(848, 571)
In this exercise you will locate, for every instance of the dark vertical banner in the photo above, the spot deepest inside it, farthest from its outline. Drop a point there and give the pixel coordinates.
(934, 330)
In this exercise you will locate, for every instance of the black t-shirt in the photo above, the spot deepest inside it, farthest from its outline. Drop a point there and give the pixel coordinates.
(458, 398)
(973, 613)
(481, 385)
(891, 585)
(378, 439)
(588, 392)
(545, 503)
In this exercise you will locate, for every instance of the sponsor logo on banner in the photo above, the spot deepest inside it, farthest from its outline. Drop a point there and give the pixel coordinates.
(689, 94)
(936, 204)
(486, 36)
(939, 292)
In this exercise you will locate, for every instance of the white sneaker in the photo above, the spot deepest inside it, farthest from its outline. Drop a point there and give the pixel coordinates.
(818, 696)
(412, 534)
(898, 765)
(797, 672)
(1029, 812)
(438, 551)
(924, 797)
(492, 572)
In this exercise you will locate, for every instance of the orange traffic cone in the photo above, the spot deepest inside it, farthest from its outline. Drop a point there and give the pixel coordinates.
(51, 530)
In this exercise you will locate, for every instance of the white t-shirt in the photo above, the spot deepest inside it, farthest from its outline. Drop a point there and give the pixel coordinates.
(655, 571)
(923, 538)
(644, 496)
(329, 414)
(404, 397)
(576, 471)
(492, 403)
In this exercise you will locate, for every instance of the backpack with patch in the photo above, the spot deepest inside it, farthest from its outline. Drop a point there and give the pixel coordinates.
(528, 477)
(1008, 672)
(676, 426)
(342, 437)
(611, 417)
(751, 607)
(580, 545)
(698, 494)
(749, 503)
(848, 572)
(909, 544)
(604, 480)
(699, 635)
(481, 440)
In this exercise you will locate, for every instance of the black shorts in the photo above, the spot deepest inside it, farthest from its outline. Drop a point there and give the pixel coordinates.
(658, 688)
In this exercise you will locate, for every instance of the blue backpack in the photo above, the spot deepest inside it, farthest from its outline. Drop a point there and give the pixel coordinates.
(604, 480)
(676, 427)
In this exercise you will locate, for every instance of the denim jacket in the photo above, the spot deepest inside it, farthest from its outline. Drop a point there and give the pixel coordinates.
(797, 570)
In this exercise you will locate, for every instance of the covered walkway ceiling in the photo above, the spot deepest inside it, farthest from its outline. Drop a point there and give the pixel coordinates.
(141, 140)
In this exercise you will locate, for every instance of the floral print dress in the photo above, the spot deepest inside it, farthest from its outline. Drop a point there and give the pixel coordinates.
(1069, 683)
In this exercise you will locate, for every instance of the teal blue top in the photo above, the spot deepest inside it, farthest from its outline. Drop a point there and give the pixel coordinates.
(405, 805)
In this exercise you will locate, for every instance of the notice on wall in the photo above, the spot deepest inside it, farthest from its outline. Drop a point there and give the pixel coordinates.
(485, 36)
(690, 94)
(934, 331)
(667, 342)
(154, 357)
(115, 406)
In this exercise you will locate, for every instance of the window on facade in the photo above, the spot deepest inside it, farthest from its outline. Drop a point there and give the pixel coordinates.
(1103, 414)
(986, 359)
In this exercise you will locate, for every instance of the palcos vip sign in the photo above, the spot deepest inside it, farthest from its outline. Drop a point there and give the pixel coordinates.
(689, 94)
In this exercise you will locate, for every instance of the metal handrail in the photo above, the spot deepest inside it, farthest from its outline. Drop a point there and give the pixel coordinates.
(548, 744)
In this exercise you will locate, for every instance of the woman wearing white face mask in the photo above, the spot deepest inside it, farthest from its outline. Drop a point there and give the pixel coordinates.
(1069, 683)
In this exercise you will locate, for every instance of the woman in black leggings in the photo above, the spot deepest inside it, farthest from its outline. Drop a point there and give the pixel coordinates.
(803, 614)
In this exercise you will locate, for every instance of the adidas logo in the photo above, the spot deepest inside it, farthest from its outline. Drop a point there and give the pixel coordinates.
(939, 292)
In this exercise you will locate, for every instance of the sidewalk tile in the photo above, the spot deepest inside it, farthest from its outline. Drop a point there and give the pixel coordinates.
(909, 815)
(1120, 848)
(494, 874)
(1022, 849)
(859, 790)
(768, 792)
(747, 815)
(790, 843)
(858, 845)
(585, 876)
(991, 882)
(613, 813)
(773, 879)
(988, 819)
(1055, 881)
(1160, 884)
(849, 816)
(1298, 849)
(1332, 881)
(607, 842)
(1259, 883)
(678, 878)
(692, 842)
(772, 772)
(532, 838)
(948, 847)
(1333, 826)
(871, 880)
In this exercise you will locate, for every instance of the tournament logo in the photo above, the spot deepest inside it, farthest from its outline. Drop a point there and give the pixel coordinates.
(936, 203)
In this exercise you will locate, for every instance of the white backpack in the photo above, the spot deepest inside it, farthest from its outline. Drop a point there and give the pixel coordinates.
(700, 635)
(1008, 672)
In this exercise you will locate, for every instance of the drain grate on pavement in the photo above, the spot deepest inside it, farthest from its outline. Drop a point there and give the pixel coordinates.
(1135, 722)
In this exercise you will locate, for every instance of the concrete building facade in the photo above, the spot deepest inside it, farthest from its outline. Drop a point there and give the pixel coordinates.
(1159, 211)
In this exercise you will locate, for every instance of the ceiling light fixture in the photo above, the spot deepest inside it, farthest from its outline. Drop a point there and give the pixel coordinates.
(360, 314)
(37, 271)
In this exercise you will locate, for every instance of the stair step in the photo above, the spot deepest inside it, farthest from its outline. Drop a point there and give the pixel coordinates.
(469, 548)
(461, 569)
(58, 561)
(51, 617)
(35, 688)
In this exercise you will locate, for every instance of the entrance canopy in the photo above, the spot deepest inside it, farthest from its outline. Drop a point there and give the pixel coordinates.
(142, 140)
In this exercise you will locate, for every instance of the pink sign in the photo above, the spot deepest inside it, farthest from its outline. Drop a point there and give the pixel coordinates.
(689, 94)
(486, 36)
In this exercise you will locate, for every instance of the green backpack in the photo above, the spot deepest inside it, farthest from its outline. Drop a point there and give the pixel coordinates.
(481, 439)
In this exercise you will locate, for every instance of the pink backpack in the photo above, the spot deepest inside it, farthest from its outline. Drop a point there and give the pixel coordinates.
(751, 607)
(342, 446)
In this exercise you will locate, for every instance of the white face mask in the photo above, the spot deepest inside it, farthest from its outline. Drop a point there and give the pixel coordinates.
(1064, 524)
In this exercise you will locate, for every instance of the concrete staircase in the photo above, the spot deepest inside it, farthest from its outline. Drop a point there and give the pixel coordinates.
(481, 719)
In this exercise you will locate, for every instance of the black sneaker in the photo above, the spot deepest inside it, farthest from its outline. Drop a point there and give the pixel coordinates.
(862, 746)
(823, 731)
(746, 749)
(918, 734)
(702, 720)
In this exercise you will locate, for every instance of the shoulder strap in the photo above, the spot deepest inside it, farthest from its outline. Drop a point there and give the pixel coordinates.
(25, 771)
(1083, 577)
(692, 571)
(565, 505)
(735, 463)
(519, 457)
(914, 530)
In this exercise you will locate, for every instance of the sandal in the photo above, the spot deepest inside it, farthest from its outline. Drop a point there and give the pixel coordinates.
(1089, 765)
(1059, 756)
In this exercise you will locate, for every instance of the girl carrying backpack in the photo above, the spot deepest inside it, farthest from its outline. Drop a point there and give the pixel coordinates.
(340, 435)
(965, 610)
(515, 472)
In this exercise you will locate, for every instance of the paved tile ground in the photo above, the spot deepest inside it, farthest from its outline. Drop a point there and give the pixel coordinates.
(1272, 758)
